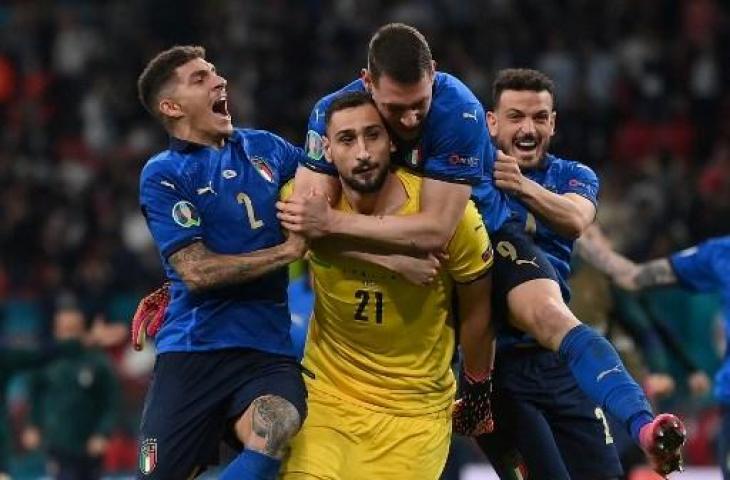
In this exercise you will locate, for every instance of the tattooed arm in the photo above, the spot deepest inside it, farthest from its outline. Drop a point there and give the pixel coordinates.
(594, 248)
(654, 273)
(203, 270)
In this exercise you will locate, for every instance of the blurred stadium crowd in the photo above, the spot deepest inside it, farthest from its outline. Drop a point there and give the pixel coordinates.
(642, 98)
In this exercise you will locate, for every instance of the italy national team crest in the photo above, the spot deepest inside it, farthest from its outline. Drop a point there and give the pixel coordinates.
(263, 168)
(148, 456)
(414, 158)
(185, 215)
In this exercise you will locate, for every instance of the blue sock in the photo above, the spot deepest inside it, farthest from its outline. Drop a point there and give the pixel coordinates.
(252, 465)
(602, 376)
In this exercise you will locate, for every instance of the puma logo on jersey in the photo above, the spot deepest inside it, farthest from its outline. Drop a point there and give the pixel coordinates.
(532, 262)
(473, 116)
(208, 189)
(616, 369)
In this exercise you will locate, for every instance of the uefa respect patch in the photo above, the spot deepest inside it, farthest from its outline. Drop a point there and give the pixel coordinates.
(185, 214)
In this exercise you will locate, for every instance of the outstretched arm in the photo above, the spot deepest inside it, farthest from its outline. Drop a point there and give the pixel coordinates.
(203, 270)
(595, 248)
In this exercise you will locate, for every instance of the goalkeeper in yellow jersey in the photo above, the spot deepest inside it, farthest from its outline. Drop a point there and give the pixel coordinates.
(378, 353)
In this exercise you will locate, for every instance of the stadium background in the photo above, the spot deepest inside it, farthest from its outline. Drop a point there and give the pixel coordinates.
(641, 96)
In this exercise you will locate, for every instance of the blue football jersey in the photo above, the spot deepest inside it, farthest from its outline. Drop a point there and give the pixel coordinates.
(559, 176)
(454, 144)
(706, 268)
(226, 199)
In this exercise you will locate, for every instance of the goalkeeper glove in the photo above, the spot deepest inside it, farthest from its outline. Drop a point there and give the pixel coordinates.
(149, 316)
(473, 411)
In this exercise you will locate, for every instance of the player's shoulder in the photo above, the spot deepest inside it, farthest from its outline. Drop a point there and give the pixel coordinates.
(411, 182)
(450, 93)
(320, 108)
(251, 137)
(564, 166)
(169, 163)
(455, 111)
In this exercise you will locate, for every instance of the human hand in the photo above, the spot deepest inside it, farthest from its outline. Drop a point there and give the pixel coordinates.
(472, 415)
(699, 383)
(658, 385)
(96, 445)
(309, 215)
(296, 244)
(417, 270)
(507, 174)
(148, 318)
(31, 438)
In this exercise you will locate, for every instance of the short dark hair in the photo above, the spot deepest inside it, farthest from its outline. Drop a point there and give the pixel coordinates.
(160, 70)
(401, 52)
(347, 100)
(521, 79)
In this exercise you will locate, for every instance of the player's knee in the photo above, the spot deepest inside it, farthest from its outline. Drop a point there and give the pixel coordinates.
(272, 422)
(547, 319)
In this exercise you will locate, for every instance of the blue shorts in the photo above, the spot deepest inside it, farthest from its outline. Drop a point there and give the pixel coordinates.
(196, 397)
(544, 422)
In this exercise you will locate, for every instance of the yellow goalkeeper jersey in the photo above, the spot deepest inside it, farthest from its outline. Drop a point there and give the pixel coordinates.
(380, 341)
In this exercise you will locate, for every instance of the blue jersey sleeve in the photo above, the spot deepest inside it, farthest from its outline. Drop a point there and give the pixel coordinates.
(288, 158)
(167, 205)
(581, 180)
(314, 146)
(695, 268)
(457, 150)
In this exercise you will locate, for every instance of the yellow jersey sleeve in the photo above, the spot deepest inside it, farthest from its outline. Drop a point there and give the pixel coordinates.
(286, 190)
(470, 251)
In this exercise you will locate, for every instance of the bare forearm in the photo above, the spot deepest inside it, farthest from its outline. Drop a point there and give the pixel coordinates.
(203, 270)
(476, 334)
(596, 250)
(558, 212)
(419, 231)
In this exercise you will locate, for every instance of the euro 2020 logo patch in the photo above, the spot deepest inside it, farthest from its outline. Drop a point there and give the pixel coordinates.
(148, 456)
(185, 215)
(315, 145)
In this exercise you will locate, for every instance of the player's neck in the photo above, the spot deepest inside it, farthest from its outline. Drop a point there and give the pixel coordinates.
(386, 201)
(187, 133)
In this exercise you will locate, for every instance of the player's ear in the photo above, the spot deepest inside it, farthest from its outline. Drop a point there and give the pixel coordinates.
(367, 80)
(170, 108)
(492, 123)
(326, 149)
(392, 146)
(553, 117)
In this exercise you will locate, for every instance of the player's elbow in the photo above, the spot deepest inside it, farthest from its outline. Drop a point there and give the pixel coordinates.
(193, 280)
(574, 227)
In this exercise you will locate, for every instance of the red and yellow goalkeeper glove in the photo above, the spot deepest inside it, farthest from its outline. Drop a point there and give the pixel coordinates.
(150, 313)
(473, 411)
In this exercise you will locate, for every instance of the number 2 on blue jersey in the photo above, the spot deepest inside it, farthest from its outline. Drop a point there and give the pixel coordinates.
(244, 199)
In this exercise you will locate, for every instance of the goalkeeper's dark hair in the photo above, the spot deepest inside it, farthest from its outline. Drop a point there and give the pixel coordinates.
(401, 52)
(521, 79)
(160, 70)
(347, 100)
